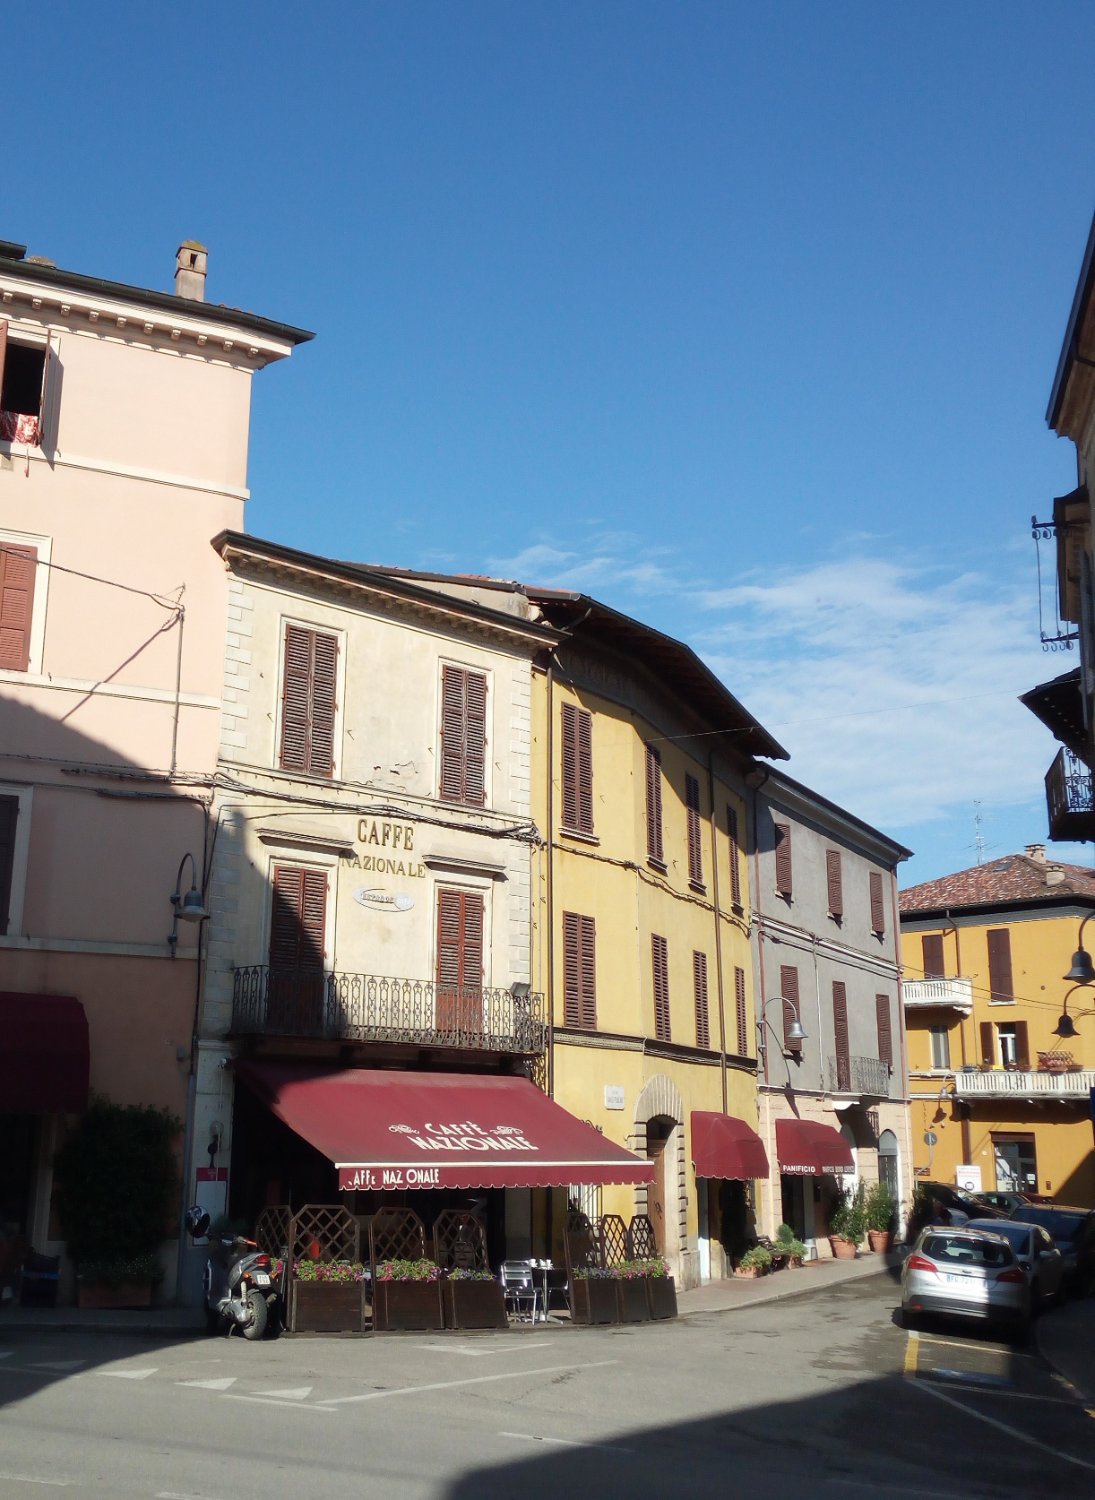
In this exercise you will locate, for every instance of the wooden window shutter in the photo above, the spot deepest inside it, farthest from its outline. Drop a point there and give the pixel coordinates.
(932, 944)
(833, 883)
(577, 768)
(783, 859)
(695, 844)
(298, 919)
(1000, 983)
(699, 989)
(463, 735)
(660, 961)
(735, 855)
(988, 1044)
(788, 988)
(840, 1036)
(1022, 1045)
(885, 1033)
(308, 701)
(878, 910)
(18, 567)
(9, 817)
(744, 1049)
(654, 847)
(459, 941)
(579, 971)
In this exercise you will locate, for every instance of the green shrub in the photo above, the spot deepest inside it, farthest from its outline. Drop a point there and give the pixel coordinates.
(848, 1220)
(755, 1259)
(880, 1207)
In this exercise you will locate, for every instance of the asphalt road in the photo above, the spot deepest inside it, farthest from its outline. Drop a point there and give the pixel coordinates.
(823, 1395)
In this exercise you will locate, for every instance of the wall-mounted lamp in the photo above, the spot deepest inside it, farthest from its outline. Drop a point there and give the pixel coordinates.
(1066, 1025)
(1082, 970)
(188, 908)
(794, 1035)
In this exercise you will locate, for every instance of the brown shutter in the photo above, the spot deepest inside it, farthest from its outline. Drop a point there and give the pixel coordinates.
(744, 1049)
(695, 845)
(1000, 984)
(783, 858)
(308, 701)
(9, 817)
(988, 1045)
(47, 368)
(840, 1036)
(1022, 1045)
(735, 855)
(463, 735)
(788, 988)
(459, 961)
(577, 769)
(932, 944)
(321, 760)
(833, 882)
(699, 990)
(878, 910)
(885, 1033)
(654, 847)
(579, 971)
(299, 918)
(18, 566)
(660, 962)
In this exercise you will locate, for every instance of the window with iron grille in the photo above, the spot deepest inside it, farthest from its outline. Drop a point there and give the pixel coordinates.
(659, 953)
(744, 1050)
(699, 991)
(834, 883)
(878, 910)
(735, 855)
(463, 735)
(655, 852)
(577, 769)
(783, 859)
(309, 679)
(579, 971)
(695, 843)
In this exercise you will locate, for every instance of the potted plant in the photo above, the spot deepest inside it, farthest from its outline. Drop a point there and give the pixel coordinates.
(326, 1296)
(879, 1209)
(407, 1296)
(661, 1289)
(117, 1185)
(473, 1299)
(755, 1262)
(593, 1295)
(847, 1224)
(632, 1301)
(791, 1246)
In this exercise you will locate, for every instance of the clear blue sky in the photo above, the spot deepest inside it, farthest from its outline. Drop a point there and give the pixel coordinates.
(741, 318)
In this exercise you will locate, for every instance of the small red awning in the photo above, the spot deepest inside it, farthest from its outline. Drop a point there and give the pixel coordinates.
(725, 1147)
(439, 1130)
(806, 1148)
(45, 1061)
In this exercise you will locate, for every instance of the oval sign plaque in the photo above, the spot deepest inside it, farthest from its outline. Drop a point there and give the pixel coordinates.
(383, 900)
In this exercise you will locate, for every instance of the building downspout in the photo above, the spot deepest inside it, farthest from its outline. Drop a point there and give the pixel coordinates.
(549, 985)
(718, 928)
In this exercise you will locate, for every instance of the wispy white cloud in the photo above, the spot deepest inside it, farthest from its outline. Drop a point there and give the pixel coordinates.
(607, 562)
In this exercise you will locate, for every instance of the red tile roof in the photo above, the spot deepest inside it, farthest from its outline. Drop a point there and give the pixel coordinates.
(1014, 878)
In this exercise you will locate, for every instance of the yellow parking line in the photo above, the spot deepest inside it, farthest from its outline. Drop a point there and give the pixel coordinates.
(912, 1353)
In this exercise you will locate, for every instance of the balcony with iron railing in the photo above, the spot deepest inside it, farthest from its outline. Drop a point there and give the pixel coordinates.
(950, 994)
(865, 1076)
(1068, 798)
(368, 1008)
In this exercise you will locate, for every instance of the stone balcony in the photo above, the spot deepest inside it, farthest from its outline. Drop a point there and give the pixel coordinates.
(950, 994)
(1011, 1083)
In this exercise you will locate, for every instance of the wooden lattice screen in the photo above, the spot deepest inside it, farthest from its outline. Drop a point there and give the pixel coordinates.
(323, 1231)
(272, 1230)
(396, 1234)
(460, 1241)
(581, 1243)
(614, 1244)
(641, 1244)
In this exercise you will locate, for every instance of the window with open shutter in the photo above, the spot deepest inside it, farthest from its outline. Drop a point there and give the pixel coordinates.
(577, 769)
(878, 910)
(659, 953)
(833, 883)
(695, 843)
(744, 1050)
(840, 1037)
(460, 961)
(1000, 982)
(699, 991)
(463, 735)
(987, 1038)
(18, 567)
(9, 817)
(654, 849)
(579, 971)
(309, 679)
(783, 859)
(788, 988)
(735, 855)
(1022, 1046)
(298, 935)
(932, 945)
(24, 378)
(885, 1033)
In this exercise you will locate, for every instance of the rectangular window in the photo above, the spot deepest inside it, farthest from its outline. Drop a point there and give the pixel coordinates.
(298, 937)
(788, 988)
(840, 1037)
(460, 961)
(579, 971)
(308, 701)
(833, 883)
(9, 820)
(932, 945)
(699, 990)
(941, 1047)
(18, 569)
(1000, 984)
(577, 769)
(463, 735)
(24, 380)
(735, 855)
(655, 852)
(744, 1049)
(1005, 1045)
(659, 954)
(695, 844)
(878, 910)
(783, 859)
(885, 1032)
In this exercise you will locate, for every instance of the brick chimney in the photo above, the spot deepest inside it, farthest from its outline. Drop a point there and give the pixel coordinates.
(190, 264)
(1036, 852)
(1054, 875)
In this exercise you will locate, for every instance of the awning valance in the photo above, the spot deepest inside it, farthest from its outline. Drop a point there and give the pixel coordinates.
(723, 1146)
(386, 1129)
(45, 1060)
(807, 1148)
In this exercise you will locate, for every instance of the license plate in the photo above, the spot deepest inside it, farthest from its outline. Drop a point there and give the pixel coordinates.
(260, 1278)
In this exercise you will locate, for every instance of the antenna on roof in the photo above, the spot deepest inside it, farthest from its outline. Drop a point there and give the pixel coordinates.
(978, 836)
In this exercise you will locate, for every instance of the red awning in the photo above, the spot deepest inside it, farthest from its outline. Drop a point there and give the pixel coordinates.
(439, 1130)
(806, 1147)
(44, 1056)
(725, 1147)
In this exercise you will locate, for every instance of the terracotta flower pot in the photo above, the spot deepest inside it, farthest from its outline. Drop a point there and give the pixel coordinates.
(842, 1249)
(879, 1240)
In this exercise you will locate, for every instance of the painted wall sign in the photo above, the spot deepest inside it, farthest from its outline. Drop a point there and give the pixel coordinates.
(383, 900)
(380, 833)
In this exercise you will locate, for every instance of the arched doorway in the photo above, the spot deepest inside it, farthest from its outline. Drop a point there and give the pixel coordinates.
(888, 1168)
(659, 1135)
(659, 1132)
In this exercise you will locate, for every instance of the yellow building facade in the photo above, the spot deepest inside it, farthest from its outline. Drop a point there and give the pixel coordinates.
(1000, 1088)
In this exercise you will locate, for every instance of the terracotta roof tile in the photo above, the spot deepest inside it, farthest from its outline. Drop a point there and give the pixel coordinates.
(1014, 877)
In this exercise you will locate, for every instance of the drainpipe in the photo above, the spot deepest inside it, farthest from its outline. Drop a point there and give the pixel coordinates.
(718, 927)
(549, 986)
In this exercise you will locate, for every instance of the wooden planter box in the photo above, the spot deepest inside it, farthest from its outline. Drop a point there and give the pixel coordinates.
(632, 1300)
(473, 1304)
(406, 1306)
(325, 1307)
(661, 1294)
(126, 1294)
(592, 1301)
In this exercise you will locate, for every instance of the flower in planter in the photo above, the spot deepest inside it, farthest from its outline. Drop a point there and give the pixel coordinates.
(756, 1259)
(136, 1270)
(338, 1271)
(408, 1270)
(596, 1273)
(465, 1273)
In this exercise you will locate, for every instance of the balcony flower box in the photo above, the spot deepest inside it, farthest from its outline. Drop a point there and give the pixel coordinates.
(407, 1297)
(473, 1299)
(326, 1297)
(593, 1297)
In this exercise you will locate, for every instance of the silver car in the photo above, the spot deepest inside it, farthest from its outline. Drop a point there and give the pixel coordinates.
(964, 1273)
(1035, 1252)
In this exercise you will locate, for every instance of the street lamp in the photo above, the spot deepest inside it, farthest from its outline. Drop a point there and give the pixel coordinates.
(1066, 1026)
(794, 1035)
(188, 908)
(1082, 970)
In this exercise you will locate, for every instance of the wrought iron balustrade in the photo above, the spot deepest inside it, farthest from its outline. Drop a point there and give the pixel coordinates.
(859, 1075)
(1068, 798)
(374, 1008)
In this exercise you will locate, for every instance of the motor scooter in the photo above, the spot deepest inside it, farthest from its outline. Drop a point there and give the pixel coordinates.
(238, 1282)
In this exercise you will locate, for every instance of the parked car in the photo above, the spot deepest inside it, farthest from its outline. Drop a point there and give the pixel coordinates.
(956, 1203)
(1006, 1202)
(1073, 1231)
(1035, 1252)
(964, 1273)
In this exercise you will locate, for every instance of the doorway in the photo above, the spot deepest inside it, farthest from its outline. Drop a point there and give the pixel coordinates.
(658, 1131)
(887, 1163)
(1016, 1163)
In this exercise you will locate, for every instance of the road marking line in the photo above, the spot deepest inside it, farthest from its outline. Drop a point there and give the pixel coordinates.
(285, 1405)
(448, 1385)
(899, 1489)
(500, 1348)
(970, 1411)
(30, 1479)
(532, 1437)
(297, 1393)
(211, 1385)
(128, 1374)
(912, 1353)
(990, 1390)
(57, 1364)
(930, 1342)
